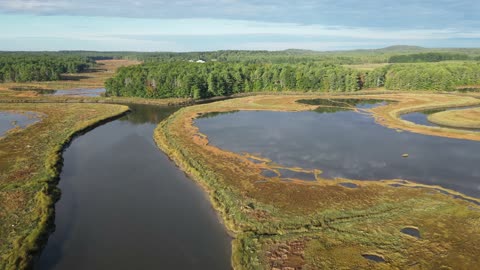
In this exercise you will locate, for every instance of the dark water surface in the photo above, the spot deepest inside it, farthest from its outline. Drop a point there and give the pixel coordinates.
(412, 232)
(9, 120)
(421, 118)
(125, 205)
(347, 144)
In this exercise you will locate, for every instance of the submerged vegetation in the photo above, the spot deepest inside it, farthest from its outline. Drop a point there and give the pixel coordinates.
(320, 224)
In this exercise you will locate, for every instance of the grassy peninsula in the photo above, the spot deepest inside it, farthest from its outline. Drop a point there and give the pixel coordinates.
(321, 225)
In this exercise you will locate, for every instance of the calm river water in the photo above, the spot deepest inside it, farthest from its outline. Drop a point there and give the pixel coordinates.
(125, 205)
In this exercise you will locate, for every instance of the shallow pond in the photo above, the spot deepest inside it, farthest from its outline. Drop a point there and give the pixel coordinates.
(83, 92)
(80, 92)
(125, 205)
(9, 120)
(347, 144)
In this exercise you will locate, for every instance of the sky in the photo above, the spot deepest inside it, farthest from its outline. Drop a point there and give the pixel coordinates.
(206, 25)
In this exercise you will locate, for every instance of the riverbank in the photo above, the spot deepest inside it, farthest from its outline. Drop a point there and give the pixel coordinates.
(115, 180)
(31, 161)
(263, 217)
(321, 224)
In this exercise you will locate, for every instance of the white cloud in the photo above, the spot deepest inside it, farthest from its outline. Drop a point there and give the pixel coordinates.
(35, 6)
(212, 34)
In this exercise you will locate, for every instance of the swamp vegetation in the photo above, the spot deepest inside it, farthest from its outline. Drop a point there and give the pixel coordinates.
(320, 224)
(281, 216)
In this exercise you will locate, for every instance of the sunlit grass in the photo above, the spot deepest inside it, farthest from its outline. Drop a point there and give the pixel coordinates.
(466, 118)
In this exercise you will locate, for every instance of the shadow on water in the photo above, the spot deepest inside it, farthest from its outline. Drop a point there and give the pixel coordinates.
(125, 205)
(414, 232)
(342, 102)
(347, 144)
(373, 257)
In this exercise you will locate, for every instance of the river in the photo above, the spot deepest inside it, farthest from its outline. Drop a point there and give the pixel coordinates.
(125, 205)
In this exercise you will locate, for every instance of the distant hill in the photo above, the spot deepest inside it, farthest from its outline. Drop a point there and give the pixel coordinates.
(390, 49)
(299, 51)
(402, 48)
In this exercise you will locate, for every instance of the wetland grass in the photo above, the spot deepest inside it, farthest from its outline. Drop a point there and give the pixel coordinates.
(320, 224)
(461, 118)
(31, 161)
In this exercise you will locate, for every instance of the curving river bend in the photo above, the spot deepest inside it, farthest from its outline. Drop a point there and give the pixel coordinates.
(125, 205)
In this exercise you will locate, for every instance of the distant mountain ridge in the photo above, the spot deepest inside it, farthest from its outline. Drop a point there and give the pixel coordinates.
(396, 48)
(390, 49)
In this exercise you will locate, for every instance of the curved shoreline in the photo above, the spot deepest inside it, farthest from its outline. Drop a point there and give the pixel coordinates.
(195, 171)
(391, 115)
(457, 118)
(181, 140)
(23, 256)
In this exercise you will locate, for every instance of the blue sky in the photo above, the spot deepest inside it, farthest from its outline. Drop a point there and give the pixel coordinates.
(187, 25)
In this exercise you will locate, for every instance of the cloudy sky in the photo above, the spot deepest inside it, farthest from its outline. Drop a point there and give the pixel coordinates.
(199, 25)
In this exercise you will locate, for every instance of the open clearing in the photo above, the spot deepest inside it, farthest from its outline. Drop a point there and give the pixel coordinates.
(92, 79)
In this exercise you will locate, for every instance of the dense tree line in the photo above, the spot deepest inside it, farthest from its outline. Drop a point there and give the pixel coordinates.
(427, 57)
(424, 76)
(24, 67)
(244, 56)
(292, 56)
(183, 79)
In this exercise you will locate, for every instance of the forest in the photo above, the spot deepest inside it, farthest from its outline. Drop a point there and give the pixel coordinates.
(194, 80)
(393, 54)
(424, 76)
(169, 74)
(184, 79)
(25, 67)
(427, 57)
